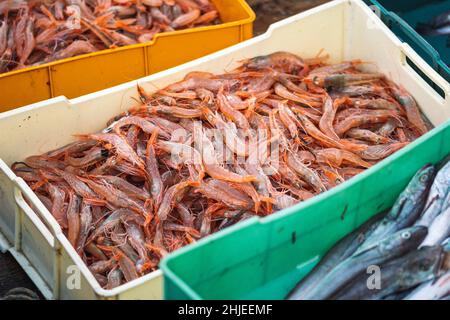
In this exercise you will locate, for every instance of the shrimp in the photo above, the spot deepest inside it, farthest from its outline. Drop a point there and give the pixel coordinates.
(109, 223)
(120, 145)
(3, 35)
(137, 241)
(312, 130)
(126, 265)
(125, 186)
(74, 147)
(156, 183)
(76, 48)
(185, 215)
(168, 126)
(327, 119)
(367, 135)
(57, 195)
(92, 156)
(381, 151)
(337, 157)
(207, 17)
(388, 127)
(152, 3)
(232, 141)
(186, 154)
(85, 226)
(305, 173)
(195, 82)
(375, 116)
(182, 228)
(337, 81)
(286, 94)
(288, 121)
(175, 111)
(73, 219)
(248, 189)
(232, 114)
(375, 104)
(114, 196)
(285, 201)
(42, 162)
(216, 171)
(185, 19)
(76, 184)
(211, 191)
(141, 123)
(115, 278)
(284, 61)
(412, 111)
(171, 197)
(102, 266)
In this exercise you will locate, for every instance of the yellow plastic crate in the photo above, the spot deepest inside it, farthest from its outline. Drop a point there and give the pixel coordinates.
(88, 73)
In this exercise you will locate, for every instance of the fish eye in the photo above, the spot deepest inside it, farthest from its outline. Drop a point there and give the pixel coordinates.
(406, 235)
(423, 178)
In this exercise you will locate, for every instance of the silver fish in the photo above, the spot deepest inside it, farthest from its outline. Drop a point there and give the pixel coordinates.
(439, 229)
(432, 290)
(390, 247)
(397, 275)
(341, 251)
(438, 192)
(446, 244)
(406, 208)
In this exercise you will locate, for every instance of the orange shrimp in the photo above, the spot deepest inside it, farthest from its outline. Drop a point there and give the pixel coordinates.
(120, 145)
(286, 94)
(337, 157)
(229, 112)
(57, 195)
(375, 116)
(195, 82)
(381, 151)
(207, 17)
(284, 61)
(232, 141)
(76, 184)
(126, 265)
(186, 19)
(412, 111)
(367, 135)
(213, 192)
(171, 197)
(326, 121)
(305, 173)
(73, 219)
(216, 171)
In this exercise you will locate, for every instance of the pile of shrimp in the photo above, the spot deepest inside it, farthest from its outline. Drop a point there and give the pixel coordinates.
(212, 150)
(38, 31)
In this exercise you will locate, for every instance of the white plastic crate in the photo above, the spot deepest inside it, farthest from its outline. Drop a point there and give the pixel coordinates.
(345, 29)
